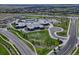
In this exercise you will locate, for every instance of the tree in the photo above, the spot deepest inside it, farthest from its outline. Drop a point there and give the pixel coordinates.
(59, 47)
(55, 51)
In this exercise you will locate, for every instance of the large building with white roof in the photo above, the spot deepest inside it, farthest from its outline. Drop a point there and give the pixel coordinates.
(20, 25)
(33, 24)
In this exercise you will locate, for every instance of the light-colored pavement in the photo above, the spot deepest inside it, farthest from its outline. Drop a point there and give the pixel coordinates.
(53, 31)
(53, 34)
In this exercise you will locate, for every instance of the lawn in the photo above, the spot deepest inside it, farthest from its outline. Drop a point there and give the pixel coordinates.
(77, 53)
(37, 17)
(4, 37)
(5, 42)
(78, 27)
(3, 50)
(64, 24)
(40, 39)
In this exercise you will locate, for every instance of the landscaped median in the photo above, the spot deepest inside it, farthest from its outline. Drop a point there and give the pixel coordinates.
(78, 27)
(8, 45)
(21, 36)
(40, 39)
(77, 52)
(64, 24)
(3, 50)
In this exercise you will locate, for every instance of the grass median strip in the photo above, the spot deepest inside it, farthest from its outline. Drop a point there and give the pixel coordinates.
(3, 50)
(77, 52)
(78, 27)
(18, 34)
(9, 45)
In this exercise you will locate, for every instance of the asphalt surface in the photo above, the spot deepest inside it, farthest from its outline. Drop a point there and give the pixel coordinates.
(21, 46)
(25, 50)
(56, 29)
(71, 43)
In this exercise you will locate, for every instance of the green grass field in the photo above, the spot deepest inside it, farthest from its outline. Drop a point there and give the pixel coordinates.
(78, 27)
(5, 42)
(77, 53)
(3, 50)
(64, 24)
(40, 39)
(4, 37)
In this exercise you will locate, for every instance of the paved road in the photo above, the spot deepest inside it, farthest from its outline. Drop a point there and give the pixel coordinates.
(70, 45)
(53, 31)
(22, 47)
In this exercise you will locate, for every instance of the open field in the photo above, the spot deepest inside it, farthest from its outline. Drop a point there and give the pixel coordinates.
(29, 15)
(33, 15)
(18, 34)
(77, 53)
(3, 50)
(40, 39)
(78, 27)
(25, 15)
(8, 45)
(64, 24)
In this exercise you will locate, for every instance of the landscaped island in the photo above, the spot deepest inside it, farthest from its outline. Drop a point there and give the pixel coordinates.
(64, 25)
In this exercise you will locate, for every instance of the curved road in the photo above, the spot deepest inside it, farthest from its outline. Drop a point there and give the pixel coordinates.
(71, 43)
(21, 46)
(54, 30)
(25, 50)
